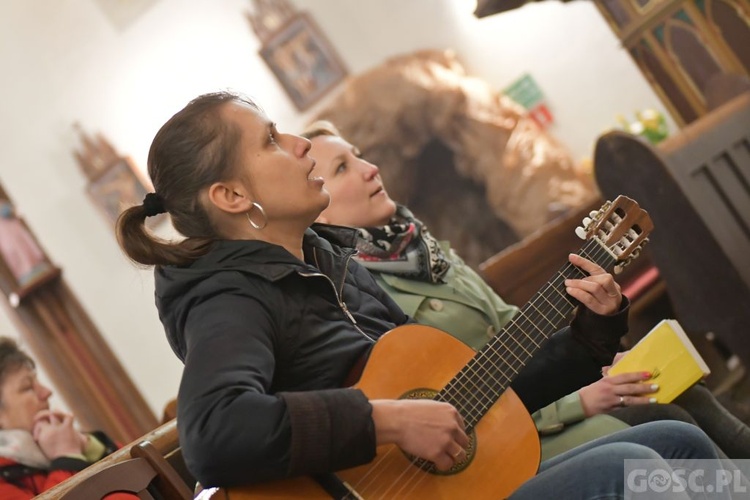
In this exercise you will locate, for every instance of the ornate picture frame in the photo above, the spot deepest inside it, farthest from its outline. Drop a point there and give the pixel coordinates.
(118, 187)
(24, 265)
(303, 60)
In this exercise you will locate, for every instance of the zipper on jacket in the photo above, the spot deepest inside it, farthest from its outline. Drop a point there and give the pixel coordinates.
(343, 280)
(341, 303)
(346, 311)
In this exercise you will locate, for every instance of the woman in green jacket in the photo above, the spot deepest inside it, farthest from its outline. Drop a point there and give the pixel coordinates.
(446, 293)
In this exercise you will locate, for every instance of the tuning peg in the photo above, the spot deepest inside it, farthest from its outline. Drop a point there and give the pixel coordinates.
(594, 213)
(619, 267)
(581, 232)
(587, 221)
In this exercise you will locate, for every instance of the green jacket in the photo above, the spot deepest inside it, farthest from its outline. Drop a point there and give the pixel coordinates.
(467, 308)
(562, 426)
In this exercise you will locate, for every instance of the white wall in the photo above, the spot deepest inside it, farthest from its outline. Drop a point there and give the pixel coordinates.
(67, 63)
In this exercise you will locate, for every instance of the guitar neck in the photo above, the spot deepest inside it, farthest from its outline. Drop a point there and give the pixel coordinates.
(483, 380)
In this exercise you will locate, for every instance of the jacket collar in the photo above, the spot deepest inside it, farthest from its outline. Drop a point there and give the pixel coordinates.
(345, 237)
(323, 245)
(175, 284)
(19, 446)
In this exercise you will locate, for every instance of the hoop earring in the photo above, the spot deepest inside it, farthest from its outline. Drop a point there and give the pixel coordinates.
(262, 212)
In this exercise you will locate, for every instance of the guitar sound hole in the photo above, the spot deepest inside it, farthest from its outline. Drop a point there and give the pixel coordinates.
(426, 465)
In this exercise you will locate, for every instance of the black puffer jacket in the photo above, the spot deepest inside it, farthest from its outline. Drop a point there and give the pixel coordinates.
(267, 341)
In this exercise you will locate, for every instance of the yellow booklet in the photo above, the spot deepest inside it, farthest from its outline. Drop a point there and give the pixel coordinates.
(665, 351)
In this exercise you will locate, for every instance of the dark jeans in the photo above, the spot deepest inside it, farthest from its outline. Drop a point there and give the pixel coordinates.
(595, 470)
(699, 407)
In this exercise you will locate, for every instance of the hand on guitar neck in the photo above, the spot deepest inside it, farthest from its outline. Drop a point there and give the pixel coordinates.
(598, 291)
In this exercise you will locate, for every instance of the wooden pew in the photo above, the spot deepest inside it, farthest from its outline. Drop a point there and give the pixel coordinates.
(518, 271)
(155, 457)
(129, 476)
(696, 187)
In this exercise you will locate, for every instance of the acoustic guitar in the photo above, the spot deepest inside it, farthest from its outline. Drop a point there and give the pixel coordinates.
(416, 361)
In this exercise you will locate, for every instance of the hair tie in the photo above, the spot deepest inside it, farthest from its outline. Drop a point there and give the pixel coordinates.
(153, 205)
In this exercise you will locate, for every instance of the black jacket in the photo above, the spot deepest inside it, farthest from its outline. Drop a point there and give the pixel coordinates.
(267, 342)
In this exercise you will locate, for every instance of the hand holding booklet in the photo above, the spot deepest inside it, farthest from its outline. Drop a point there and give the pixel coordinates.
(666, 352)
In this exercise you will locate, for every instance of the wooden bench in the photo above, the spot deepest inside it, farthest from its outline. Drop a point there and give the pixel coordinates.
(696, 188)
(153, 461)
(129, 476)
(517, 272)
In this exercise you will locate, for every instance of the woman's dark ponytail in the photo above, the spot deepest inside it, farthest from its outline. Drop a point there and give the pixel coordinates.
(191, 151)
(144, 248)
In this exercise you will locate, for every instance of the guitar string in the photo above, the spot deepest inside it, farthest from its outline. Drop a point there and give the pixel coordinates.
(415, 483)
(460, 385)
(411, 483)
(373, 471)
(566, 299)
(516, 322)
(407, 484)
(492, 347)
(493, 360)
(473, 404)
(380, 466)
(418, 471)
(511, 350)
(493, 357)
(487, 354)
(553, 325)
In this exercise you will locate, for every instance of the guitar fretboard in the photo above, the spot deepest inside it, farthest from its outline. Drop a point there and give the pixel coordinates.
(483, 380)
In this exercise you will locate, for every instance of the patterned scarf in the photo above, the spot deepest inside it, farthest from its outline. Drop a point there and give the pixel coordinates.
(404, 248)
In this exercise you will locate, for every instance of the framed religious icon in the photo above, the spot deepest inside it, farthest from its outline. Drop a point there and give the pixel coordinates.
(24, 266)
(117, 187)
(303, 61)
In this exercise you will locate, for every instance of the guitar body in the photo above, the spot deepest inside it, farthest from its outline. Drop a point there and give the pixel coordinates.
(505, 450)
(288, 489)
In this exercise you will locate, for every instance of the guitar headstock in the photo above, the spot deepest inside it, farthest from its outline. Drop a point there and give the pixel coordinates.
(621, 226)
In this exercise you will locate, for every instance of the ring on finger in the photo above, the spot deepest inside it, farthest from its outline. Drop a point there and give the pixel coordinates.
(622, 401)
